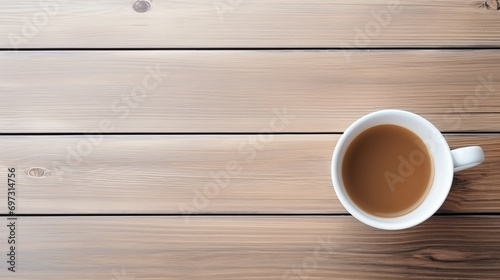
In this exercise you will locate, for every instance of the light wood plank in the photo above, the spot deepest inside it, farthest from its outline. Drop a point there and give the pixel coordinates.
(151, 248)
(244, 91)
(248, 23)
(197, 174)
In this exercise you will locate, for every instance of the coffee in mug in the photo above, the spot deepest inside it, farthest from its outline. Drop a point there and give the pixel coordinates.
(393, 169)
(387, 170)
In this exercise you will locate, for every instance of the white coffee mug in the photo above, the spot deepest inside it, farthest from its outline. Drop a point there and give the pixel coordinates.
(445, 162)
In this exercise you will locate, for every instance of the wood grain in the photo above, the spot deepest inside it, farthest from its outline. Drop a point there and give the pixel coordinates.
(248, 23)
(179, 174)
(194, 79)
(243, 91)
(151, 248)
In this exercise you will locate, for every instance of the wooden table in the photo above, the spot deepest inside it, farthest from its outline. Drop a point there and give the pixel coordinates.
(192, 139)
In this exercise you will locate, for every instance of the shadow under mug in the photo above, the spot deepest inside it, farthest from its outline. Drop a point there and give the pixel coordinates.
(445, 163)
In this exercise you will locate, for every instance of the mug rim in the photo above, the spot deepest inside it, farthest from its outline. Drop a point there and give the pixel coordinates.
(432, 204)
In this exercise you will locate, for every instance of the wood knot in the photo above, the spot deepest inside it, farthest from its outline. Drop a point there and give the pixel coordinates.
(490, 5)
(37, 172)
(443, 255)
(142, 6)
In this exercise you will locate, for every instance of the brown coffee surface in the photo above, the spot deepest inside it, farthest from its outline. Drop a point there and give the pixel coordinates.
(387, 170)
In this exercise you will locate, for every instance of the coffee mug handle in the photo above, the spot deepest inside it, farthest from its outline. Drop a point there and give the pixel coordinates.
(467, 157)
